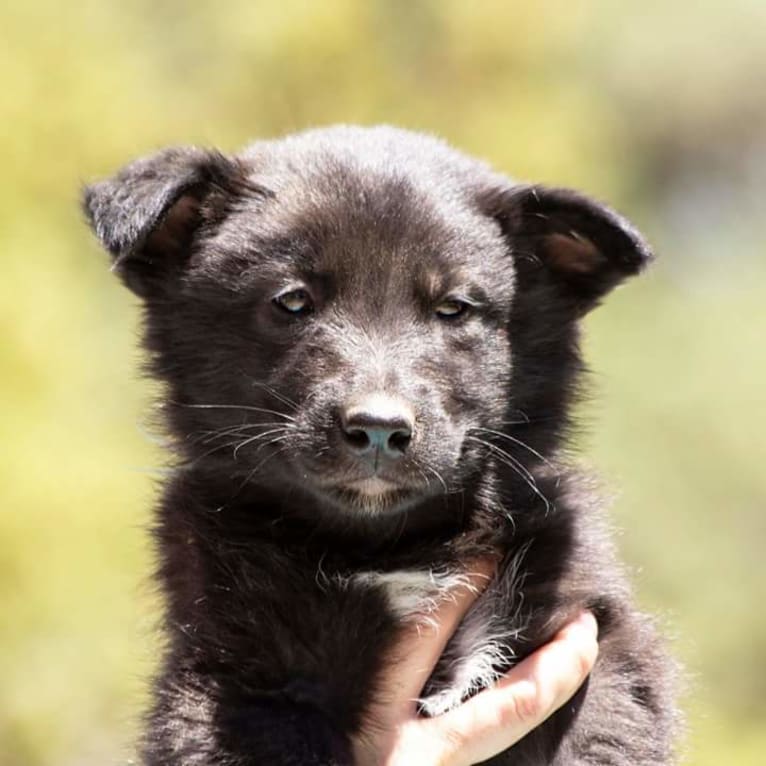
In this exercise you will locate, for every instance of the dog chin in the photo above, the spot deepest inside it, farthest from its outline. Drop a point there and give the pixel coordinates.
(372, 487)
(371, 496)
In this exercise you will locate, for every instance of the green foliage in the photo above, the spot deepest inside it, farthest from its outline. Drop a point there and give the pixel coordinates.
(656, 108)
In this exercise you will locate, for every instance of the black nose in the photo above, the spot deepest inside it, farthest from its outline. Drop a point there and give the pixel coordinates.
(377, 426)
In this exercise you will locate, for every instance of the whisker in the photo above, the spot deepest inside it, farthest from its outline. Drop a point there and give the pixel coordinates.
(524, 416)
(217, 447)
(239, 443)
(422, 473)
(514, 464)
(273, 441)
(263, 462)
(209, 436)
(517, 441)
(271, 390)
(522, 469)
(257, 437)
(439, 477)
(244, 407)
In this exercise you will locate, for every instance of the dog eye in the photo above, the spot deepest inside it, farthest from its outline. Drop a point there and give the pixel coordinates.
(295, 302)
(452, 308)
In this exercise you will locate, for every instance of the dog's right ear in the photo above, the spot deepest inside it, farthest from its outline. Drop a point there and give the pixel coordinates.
(147, 214)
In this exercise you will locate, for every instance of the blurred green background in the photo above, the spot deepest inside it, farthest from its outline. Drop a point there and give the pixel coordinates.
(657, 107)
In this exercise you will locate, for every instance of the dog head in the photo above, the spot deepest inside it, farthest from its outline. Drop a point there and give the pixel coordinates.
(363, 316)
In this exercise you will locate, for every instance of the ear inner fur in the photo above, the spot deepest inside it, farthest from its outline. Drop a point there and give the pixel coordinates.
(146, 215)
(583, 246)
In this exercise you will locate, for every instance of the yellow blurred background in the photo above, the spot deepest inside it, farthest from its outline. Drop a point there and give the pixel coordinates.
(657, 107)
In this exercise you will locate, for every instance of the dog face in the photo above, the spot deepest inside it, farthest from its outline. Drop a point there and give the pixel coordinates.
(353, 314)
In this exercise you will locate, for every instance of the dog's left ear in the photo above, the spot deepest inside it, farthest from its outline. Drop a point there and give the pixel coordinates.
(560, 237)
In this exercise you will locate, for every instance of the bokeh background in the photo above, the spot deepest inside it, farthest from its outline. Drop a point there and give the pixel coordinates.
(658, 107)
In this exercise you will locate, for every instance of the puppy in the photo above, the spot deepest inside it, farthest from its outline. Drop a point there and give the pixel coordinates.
(369, 345)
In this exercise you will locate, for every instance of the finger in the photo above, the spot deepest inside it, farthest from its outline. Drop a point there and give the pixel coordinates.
(426, 636)
(419, 647)
(497, 718)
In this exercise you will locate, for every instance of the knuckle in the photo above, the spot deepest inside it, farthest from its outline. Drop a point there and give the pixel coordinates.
(456, 740)
(526, 707)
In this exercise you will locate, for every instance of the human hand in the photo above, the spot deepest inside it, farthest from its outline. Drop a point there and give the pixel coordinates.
(486, 724)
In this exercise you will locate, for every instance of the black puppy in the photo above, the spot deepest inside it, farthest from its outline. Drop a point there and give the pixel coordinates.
(370, 349)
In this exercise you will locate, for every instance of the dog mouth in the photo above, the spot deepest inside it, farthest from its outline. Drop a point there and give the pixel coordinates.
(372, 496)
(373, 486)
(367, 493)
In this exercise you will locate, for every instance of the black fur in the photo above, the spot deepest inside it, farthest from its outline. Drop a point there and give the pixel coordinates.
(274, 646)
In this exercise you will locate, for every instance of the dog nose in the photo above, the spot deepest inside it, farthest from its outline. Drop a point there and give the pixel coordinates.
(377, 426)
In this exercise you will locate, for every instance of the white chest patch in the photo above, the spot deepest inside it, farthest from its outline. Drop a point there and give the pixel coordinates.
(480, 649)
(415, 592)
